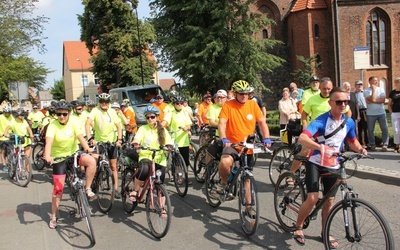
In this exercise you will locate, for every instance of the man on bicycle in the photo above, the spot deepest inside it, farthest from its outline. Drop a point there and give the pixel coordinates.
(105, 120)
(322, 159)
(237, 120)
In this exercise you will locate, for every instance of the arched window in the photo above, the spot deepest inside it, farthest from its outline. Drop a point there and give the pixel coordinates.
(265, 34)
(376, 28)
(316, 31)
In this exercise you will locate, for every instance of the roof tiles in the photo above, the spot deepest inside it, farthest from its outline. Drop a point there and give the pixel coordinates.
(308, 4)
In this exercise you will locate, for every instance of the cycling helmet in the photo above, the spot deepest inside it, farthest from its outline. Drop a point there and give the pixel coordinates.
(115, 105)
(62, 105)
(179, 99)
(90, 103)
(6, 109)
(19, 112)
(152, 110)
(241, 86)
(104, 97)
(314, 78)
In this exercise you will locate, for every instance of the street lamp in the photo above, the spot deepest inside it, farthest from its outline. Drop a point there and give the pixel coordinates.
(140, 46)
(83, 83)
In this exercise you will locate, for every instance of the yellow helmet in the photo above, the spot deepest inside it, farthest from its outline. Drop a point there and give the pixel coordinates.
(241, 86)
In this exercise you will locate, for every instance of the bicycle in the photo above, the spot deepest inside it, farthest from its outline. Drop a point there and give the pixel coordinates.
(153, 193)
(193, 148)
(243, 176)
(103, 181)
(77, 192)
(19, 166)
(350, 221)
(176, 164)
(37, 156)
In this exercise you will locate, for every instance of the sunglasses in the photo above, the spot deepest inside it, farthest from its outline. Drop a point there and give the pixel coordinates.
(221, 97)
(178, 103)
(243, 93)
(150, 117)
(79, 109)
(104, 101)
(62, 114)
(341, 102)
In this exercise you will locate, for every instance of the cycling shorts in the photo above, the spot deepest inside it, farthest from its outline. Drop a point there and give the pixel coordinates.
(313, 174)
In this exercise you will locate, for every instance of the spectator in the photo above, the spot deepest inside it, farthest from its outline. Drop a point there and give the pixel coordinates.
(394, 110)
(313, 90)
(287, 108)
(293, 88)
(355, 114)
(375, 97)
(362, 127)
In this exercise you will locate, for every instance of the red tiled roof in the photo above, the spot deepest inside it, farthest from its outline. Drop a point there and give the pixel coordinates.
(309, 4)
(166, 83)
(77, 50)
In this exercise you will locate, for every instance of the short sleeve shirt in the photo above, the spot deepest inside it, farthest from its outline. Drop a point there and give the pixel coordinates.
(65, 141)
(395, 96)
(375, 108)
(104, 124)
(4, 122)
(175, 120)
(316, 106)
(213, 114)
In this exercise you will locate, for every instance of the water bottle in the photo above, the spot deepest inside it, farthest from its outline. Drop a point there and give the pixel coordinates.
(233, 172)
(5, 169)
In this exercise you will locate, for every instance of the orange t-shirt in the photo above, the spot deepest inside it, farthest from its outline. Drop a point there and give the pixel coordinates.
(203, 109)
(132, 118)
(241, 119)
(160, 107)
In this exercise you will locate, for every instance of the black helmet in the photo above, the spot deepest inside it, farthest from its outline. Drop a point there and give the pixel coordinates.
(62, 105)
(18, 112)
(179, 99)
(314, 78)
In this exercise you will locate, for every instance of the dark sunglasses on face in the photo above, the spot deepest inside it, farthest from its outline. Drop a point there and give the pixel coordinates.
(79, 109)
(179, 103)
(243, 93)
(150, 117)
(104, 101)
(341, 102)
(62, 114)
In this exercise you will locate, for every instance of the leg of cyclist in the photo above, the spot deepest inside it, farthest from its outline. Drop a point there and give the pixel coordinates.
(328, 183)
(58, 187)
(113, 156)
(184, 151)
(224, 167)
(89, 162)
(247, 189)
(28, 150)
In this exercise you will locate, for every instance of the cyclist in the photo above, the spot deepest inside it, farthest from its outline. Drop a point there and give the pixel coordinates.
(5, 119)
(78, 114)
(237, 120)
(61, 141)
(131, 126)
(35, 119)
(321, 160)
(203, 109)
(105, 120)
(152, 135)
(160, 104)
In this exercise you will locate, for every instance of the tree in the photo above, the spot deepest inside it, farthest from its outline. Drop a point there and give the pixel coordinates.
(110, 32)
(20, 33)
(211, 43)
(58, 91)
(302, 76)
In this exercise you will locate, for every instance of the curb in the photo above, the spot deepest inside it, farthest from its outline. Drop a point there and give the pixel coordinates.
(378, 174)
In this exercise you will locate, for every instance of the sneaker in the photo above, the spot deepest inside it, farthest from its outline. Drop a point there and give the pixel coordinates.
(117, 195)
(372, 148)
(384, 149)
(251, 213)
(220, 188)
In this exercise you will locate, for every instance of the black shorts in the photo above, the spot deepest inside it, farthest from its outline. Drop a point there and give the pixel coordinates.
(313, 174)
(235, 155)
(112, 152)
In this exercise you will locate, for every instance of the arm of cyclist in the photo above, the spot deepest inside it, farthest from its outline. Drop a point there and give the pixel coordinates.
(30, 134)
(6, 131)
(356, 146)
(265, 131)
(87, 130)
(119, 134)
(47, 150)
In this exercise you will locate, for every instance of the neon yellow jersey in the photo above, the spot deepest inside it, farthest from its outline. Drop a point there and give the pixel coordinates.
(104, 124)
(148, 137)
(36, 118)
(20, 128)
(175, 120)
(4, 122)
(307, 94)
(80, 120)
(65, 142)
(213, 114)
(169, 108)
(316, 106)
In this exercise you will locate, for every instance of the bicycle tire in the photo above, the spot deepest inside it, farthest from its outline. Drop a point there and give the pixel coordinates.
(375, 232)
(211, 180)
(249, 224)
(158, 226)
(193, 148)
(10, 165)
(37, 156)
(287, 201)
(127, 187)
(280, 162)
(180, 172)
(83, 204)
(200, 164)
(22, 175)
(105, 189)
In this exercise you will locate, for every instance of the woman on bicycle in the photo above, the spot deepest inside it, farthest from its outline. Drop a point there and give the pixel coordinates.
(152, 135)
(62, 138)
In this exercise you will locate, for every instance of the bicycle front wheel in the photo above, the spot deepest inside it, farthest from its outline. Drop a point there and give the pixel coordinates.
(180, 172)
(158, 211)
(85, 212)
(37, 156)
(127, 187)
(105, 189)
(193, 148)
(368, 229)
(289, 194)
(280, 162)
(23, 171)
(212, 179)
(200, 165)
(248, 205)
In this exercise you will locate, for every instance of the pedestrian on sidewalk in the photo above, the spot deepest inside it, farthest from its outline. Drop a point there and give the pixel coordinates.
(394, 110)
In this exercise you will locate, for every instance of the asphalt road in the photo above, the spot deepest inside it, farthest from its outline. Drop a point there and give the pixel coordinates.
(24, 215)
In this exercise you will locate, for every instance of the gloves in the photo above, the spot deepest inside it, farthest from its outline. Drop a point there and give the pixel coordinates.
(225, 141)
(267, 141)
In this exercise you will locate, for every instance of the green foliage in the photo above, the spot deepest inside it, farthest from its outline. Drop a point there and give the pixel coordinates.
(58, 91)
(110, 31)
(302, 76)
(212, 43)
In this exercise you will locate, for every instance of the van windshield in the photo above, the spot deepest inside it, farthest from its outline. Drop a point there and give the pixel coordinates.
(142, 96)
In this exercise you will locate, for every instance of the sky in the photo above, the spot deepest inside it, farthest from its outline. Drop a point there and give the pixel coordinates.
(63, 26)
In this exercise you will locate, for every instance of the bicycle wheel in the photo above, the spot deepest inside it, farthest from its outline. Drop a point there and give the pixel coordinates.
(200, 164)
(85, 212)
(212, 179)
(158, 211)
(105, 189)
(180, 172)
(37, 156)
(248, 205)
(127, 188)
(193, 148)
(368, 229)
(280, 162)
(23, 171)
(10, 165)
(287, 200)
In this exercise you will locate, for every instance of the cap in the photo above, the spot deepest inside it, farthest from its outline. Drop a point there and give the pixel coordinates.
(314, 78)
(222, 92)
(123, 104)
(35, 106)
(207, 96)
(115, 105)
(359, 82)
(160, 96)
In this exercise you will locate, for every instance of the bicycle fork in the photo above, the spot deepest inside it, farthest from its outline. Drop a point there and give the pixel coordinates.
(348, 203)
